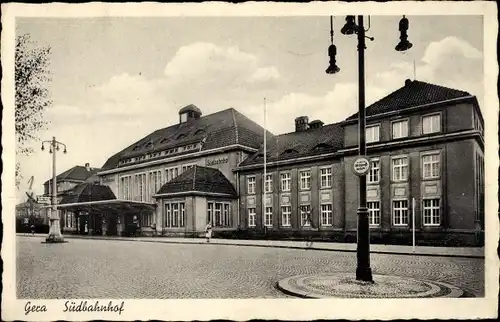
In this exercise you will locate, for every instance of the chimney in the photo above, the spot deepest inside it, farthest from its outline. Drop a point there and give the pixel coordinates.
(407, 82)
(87, 166)
(301, 123)
(316, 124)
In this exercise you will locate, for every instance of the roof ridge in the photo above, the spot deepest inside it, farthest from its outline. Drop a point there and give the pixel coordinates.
(235, 126)
(445, 87)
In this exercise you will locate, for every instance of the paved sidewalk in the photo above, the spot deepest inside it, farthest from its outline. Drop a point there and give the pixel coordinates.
(467, 252)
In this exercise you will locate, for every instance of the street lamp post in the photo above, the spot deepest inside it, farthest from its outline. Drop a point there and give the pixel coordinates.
(55, 235)
(363, 269)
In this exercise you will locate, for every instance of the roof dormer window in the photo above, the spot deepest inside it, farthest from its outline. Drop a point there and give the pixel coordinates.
(184, 117)
(190, 112)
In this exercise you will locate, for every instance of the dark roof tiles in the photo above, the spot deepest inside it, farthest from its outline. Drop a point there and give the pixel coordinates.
(86, 192)
(77, 173)
(412, 94)
(328, 138)
(199, 179)
(218, 130)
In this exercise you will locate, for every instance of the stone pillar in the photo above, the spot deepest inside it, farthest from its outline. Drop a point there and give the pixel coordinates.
(158, 217)
(119, 224)
(104, 226)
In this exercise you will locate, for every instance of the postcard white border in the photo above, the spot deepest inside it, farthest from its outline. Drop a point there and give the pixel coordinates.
(288, 309)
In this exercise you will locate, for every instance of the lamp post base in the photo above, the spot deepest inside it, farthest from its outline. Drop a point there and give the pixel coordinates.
(364, 274)
(55, 235)
(53, 239)
(363, 269)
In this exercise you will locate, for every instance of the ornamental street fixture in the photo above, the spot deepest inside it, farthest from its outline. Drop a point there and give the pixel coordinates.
(404, 44)
(55, 235)
(332, 52)
(363, 270)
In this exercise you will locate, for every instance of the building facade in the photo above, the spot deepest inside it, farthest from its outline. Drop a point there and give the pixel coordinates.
(425, 143)
(197, 145)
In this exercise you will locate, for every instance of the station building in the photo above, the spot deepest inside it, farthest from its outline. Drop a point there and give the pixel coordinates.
(167, 182)
(425, 143)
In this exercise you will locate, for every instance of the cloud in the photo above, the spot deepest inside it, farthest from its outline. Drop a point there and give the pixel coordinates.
(440, 51)
(217, 77)
(207, 62)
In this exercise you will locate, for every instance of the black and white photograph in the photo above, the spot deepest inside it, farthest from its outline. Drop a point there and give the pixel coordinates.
(249, 161)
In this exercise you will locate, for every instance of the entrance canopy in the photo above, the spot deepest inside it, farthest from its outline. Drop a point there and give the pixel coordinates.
(109, 206)
(94, 198)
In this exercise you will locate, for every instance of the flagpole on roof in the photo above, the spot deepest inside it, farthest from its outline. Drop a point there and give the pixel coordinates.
(265, 160)
(414, 70)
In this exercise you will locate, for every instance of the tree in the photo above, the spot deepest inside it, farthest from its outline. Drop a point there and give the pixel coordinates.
(32, 77)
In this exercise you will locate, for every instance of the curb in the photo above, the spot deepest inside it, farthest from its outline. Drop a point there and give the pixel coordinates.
(285, 287)
(273, 246)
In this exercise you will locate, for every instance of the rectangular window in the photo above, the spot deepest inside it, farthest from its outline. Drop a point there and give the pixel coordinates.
(126, 187)
(146, 220)
(372, 133)
(432, 214)
(268, 184)
(305, 215)
(268, 218)
(155, 182)
(286, 216)
(140, 187)
(174, 214)
(399, 129)
(400, 212)
(305, 179)
(373, 212)
(210, 212)
(187, 167)
(430, 166)
(326, 215)
(431, 124)
(400, 169)
(226, 222)
(374, 174)
(171, 173)
(217, 215)
(68, 220)
(250, 185)
(251, 217)
(326, 177)
(286, 181)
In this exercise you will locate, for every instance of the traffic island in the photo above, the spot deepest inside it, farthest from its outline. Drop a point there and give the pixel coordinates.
(345, 285)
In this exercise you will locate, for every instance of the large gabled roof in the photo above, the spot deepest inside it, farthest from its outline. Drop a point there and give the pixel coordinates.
(217, 130)
(77, 173)
(325, 139)
(413, 93)
(199, 179)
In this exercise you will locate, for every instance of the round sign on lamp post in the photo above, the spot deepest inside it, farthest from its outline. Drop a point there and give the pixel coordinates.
(361, 166)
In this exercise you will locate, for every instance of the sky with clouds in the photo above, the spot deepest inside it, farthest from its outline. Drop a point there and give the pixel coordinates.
(116, 80)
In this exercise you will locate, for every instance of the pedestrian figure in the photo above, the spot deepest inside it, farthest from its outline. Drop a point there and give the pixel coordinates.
(208, 231)
(309, 241)
(32, 229)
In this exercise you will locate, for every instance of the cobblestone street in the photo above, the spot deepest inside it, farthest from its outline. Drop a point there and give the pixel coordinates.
(127, 269)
